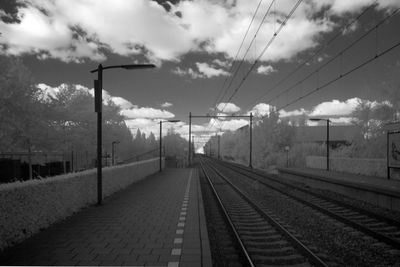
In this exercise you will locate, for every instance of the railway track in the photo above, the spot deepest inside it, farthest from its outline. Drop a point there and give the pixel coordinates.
(262, 238)
(381, 228)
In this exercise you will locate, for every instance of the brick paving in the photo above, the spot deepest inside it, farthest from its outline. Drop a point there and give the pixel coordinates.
(158, 221)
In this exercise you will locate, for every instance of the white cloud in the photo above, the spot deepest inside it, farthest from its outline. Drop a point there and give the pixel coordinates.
(265, 69)
(189, 72)
(122, 102)
(146, 112)
(227, 107)
(166, 105)
(218, 62)
(260, 110)
(232, 125)
(297, 112)
(210, 71)
(74, 30)
(335, 107)
(204, 70)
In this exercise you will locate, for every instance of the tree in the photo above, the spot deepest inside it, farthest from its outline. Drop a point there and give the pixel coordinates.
(371, 118)
(21, 108)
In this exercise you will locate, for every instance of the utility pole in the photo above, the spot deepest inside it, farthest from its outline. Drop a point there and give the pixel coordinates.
(251, 140)
(190, 137)
(219, 146)
(194, 149)
(327, 145)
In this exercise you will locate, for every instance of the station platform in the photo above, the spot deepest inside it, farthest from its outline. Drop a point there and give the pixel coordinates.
(158, 221)
(376, 190)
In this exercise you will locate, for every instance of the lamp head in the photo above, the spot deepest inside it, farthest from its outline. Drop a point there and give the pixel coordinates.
(138, 66)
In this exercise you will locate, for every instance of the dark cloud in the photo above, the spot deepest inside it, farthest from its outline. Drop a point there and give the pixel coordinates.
(167, 4)
(10, 7)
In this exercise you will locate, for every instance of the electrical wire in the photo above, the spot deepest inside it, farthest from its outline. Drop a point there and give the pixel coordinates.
(341, 76)
(245, 54)
(310, 58)
(237, 53)
(375, 27)
(219, 98)
(265, 49)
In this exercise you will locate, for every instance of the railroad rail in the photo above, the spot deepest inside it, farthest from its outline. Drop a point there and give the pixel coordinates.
(262, 238)
(381, 228)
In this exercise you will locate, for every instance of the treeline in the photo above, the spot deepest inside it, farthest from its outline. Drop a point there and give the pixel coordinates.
(64, 122)
(271, 135)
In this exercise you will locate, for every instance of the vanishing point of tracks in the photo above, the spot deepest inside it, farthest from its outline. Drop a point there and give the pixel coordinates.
(262, 239)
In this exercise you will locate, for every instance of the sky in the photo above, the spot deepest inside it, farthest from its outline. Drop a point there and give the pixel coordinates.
(212, 56)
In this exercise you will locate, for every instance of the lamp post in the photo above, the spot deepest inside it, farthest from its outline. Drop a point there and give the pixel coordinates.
(98, 91)
(327, 139)
(287, 156)
(161, 140)
(113, 152)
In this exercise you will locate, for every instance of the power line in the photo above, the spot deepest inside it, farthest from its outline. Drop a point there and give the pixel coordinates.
(265, 49)
(245, 54)
(309, 59)
(219, 99)
(338, 54)
(237, 53)
(341, 76)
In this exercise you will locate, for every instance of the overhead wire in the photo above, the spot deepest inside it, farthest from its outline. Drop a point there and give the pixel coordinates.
(219, 97)
(316, 71)
(342, 75)
(310, 58)
(245, 54)
(237, 52)
(265, 49)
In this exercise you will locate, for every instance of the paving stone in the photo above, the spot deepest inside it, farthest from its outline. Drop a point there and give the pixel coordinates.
(149, 263)
(136, 226)
(149, 257)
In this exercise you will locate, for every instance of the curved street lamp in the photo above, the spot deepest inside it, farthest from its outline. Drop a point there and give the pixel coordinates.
(98, 91)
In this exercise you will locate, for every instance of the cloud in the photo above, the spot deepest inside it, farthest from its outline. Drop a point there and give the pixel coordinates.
(189, 72)
(227, 107)
(335, 107)
(209, 71)
(297, 112)
(204, 70)
(122, 102)
(265, 69)
(75, 30)
(128, 110)
(166, 105)
(72, 31)
(224, 64)
(260, 110)
(146, 112)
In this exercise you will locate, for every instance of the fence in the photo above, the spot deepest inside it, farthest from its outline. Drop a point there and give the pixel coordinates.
(18, 166)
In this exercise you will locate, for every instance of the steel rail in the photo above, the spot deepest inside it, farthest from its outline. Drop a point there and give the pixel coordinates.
(228, 219)
(379, 236)
(294, 241)
(324, 197)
